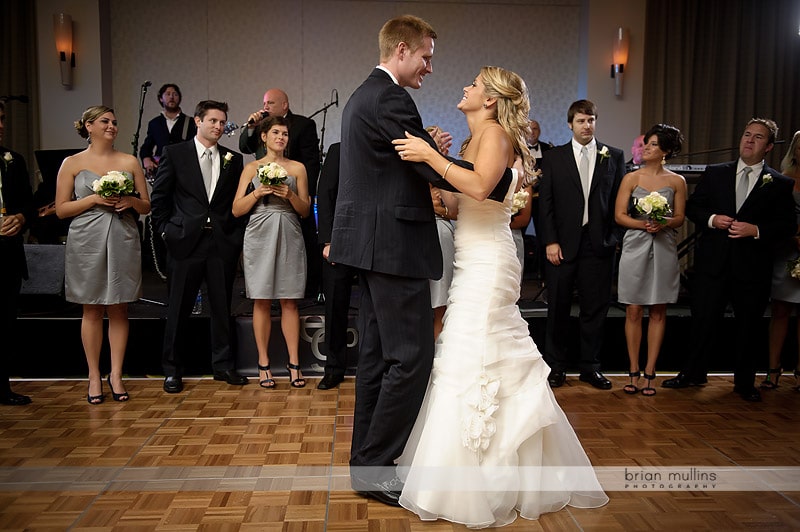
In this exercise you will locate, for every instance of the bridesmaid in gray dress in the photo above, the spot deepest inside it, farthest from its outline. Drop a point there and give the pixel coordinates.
(785, 288)
(103, 254)
(648, 267)
(445, 206)
(274, 252)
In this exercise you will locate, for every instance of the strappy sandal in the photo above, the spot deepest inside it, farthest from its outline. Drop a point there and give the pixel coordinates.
(631, 388)
(299, 382)
(648, 390)
(768, 383)
(269, 382)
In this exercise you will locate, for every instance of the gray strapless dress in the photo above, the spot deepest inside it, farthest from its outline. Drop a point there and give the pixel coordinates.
(785, 287)
(274, 251)
(648, 267)
(441, 287)
(103, 258)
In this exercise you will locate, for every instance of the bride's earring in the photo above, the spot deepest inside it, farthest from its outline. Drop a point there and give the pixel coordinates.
(663, 160)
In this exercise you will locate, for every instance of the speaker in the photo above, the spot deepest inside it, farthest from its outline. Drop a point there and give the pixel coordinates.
(45, 269)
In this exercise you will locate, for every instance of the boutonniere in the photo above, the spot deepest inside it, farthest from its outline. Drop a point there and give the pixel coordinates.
(766, 179)
(603, 153)
(227, 160)
(7, 158)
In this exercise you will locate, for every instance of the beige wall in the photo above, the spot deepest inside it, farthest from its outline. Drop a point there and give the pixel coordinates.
(235, 50)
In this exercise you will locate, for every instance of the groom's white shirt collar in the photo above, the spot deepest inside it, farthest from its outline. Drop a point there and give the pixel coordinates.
(390, 74)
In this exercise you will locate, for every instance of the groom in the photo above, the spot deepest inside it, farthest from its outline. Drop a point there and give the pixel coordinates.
(191, 201)
(385, 227)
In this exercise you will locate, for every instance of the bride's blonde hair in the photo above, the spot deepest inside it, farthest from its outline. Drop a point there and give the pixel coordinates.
(513, 106)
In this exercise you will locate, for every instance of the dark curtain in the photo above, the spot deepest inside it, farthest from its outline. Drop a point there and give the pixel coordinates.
(710, 66)
(18, 76)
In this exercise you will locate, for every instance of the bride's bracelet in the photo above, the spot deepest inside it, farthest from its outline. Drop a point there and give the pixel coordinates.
(447, 169)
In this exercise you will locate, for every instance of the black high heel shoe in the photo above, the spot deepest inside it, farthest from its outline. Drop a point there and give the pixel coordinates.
(121, 397)
(648, 390)
(768, 383)
(269, 382)
(299, 382)
(96, 399)
(631, 388)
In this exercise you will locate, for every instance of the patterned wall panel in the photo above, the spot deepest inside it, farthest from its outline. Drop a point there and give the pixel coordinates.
(235, 50)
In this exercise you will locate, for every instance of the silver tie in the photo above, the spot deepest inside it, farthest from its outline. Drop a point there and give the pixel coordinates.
(584, 171)
(206, 169)
(742, 187)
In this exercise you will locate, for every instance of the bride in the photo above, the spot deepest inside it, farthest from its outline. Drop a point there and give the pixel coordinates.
(490, 439)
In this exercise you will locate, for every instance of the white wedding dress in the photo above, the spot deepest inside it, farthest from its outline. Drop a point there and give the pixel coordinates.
(490, 439)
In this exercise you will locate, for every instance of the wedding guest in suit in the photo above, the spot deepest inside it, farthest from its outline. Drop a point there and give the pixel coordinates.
(102, 261)
(537, 148)
(304, 147)
(741, 208)
(636, 153)
(274, 256)
(385, 228)
(337, 279)
(192, 210)
(648, 268)
(170, 127)
(785, 286)
(19, 210)
(578, 188)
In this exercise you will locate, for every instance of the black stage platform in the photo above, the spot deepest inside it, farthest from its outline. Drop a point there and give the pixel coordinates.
(47, 337)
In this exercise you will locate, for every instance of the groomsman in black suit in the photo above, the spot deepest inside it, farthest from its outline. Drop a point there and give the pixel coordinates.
(169, 127)
(191, 201)
(303, 147)
(580, 239)
(537, 148)
(17, 201)
(337, 279)
(741, 208)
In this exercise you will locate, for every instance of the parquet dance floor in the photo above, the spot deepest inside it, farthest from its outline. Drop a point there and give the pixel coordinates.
(218, 457)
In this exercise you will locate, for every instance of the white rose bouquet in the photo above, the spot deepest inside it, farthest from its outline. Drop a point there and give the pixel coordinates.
(655, 206)
(793, 267)
(114, 183)
(271, 174)
(518, 201)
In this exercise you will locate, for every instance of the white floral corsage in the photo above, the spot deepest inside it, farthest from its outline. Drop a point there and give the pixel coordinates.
(603, 153)
(518, 201)
(766, 179)
(227, 159)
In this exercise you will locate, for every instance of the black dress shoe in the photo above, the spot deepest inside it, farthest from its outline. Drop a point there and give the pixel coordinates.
(681, 380)
(231, 376)
(387, 492)
(330, 381)
(15, 399)
(556, 379)
(596, 379)
(748, 394)
(173, 384)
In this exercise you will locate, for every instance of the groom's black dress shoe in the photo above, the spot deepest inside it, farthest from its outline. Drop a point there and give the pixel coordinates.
(173, 384)
(387, 492)
(330, 381)
(14, 399)
(556, 379)
(681, 380)
(596, 379)
(231, 376)
(748, 394)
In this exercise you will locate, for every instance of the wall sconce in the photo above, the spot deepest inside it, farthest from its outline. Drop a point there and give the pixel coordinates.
(621, 42)
(62, 30)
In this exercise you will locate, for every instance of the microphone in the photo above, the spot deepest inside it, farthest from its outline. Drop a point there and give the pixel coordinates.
(250, 121)
(146, 83)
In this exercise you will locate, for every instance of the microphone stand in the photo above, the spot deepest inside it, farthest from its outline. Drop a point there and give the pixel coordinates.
(135, 141)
